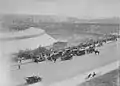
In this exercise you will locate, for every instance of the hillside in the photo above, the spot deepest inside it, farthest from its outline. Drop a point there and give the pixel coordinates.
(58, 24)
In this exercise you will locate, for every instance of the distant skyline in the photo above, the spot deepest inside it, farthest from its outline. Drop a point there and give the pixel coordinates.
(75, 8)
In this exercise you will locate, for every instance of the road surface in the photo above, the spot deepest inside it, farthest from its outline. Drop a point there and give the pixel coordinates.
(54, 72)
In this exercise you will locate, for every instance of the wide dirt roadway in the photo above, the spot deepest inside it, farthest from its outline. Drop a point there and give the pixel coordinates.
(52, 72)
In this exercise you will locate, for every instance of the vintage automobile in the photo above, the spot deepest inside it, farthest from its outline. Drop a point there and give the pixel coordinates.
(80, 52)
(67, 57)
(38, 59)
(33, 79)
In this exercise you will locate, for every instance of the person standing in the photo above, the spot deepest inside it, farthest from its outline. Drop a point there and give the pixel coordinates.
(18, 66)
(19, 63)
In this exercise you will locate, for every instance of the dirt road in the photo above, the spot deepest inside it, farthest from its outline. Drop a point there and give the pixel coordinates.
(52, 72)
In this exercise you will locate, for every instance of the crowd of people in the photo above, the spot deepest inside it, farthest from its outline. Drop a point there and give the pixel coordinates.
(42, 54)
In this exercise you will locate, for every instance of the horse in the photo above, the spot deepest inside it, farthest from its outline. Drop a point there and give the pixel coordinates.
(88, 76)
(94, 74)
(91, 75)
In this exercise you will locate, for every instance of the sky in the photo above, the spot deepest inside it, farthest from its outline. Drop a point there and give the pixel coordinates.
(75, 8)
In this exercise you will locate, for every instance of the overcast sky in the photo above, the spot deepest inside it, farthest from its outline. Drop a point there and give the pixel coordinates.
(77, 8)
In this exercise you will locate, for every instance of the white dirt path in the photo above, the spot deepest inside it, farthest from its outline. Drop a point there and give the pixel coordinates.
(59, 71)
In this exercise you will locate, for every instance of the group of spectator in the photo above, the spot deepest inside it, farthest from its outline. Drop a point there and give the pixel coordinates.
(42, 54)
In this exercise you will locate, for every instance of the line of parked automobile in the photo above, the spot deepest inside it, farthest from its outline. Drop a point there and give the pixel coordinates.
(42, 54)
(66, 54)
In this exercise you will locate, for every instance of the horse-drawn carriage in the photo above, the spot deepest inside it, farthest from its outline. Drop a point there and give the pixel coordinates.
(33, 79)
